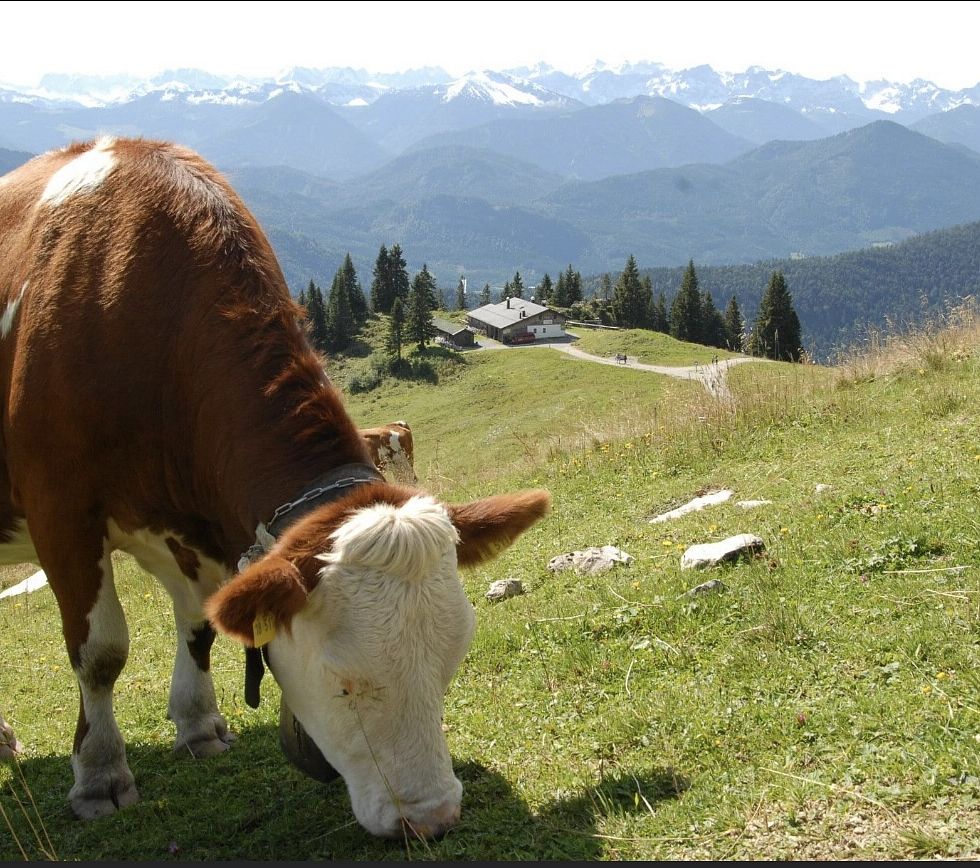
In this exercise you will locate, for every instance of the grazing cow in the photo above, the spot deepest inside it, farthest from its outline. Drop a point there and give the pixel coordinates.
(391, 449)
(160, 396)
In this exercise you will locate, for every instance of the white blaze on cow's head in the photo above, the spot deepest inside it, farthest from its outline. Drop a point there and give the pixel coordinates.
(365, 653)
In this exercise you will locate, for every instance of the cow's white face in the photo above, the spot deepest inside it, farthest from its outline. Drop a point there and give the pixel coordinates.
(369, 661)
(364, 653)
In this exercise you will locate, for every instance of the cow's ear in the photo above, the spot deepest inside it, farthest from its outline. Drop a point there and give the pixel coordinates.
(264, 597)
(487, 526)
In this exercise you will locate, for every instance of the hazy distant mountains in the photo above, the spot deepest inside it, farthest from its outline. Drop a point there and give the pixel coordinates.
(534, 169)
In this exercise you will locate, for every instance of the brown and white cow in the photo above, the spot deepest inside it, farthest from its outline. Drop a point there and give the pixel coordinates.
(160, 396)
(391, 449)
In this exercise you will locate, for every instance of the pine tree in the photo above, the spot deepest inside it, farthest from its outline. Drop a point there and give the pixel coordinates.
(605, 287)
(301, 298)
(573, 286)
(712, 323)
(485, 294)
(428, 287)
(461, 295)
(734, 326)
(647, 301)
(398, 270)
(396, 328)
(517, 286)
(659, 320)
(418, 319)
(508, 291)
(546, 290)
(316, 313)
(685, 311)
(628, 302)
(560, 296)
(355, 295)
(340, 326)
(777, 333)
(382, 293)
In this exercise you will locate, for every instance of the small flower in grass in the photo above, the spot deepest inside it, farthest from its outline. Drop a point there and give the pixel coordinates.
(666, 543)
(926, 688)
(801, 719)
(784, 530)
(173, 848)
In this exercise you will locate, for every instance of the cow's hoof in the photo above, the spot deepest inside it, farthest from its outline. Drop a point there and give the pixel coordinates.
(89, 805)
(202, 748)
(208, 738)
(10, 747)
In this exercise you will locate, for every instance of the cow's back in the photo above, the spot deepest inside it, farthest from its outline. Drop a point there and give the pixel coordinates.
(136, 291)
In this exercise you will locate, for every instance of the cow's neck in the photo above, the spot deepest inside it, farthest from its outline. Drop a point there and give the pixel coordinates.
(284, 429)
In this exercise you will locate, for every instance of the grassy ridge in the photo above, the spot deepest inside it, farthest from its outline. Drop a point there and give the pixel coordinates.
(824, 705)
(651, 348)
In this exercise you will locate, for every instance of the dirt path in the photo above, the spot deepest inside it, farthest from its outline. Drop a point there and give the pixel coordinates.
(711, 374)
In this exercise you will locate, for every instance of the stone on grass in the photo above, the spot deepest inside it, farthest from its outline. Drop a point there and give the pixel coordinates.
(590, 561)
(752, 504)
(711, 554)
(504, 588)
(705, 588)
(821, 487)
(712, 498)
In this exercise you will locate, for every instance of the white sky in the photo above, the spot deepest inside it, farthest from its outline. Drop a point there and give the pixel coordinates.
(899, 41)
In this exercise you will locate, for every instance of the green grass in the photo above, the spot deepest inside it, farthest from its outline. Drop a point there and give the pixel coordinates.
(651, 348)
(826, 704)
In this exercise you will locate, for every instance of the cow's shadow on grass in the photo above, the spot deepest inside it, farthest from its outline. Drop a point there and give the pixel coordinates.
(249, 803)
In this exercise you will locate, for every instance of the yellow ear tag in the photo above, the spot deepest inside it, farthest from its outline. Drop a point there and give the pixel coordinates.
(263, 629)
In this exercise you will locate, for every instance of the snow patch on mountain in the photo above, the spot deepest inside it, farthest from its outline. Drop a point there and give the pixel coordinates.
(495, 88)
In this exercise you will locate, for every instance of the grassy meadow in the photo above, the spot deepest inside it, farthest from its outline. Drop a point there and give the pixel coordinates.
(824, 704)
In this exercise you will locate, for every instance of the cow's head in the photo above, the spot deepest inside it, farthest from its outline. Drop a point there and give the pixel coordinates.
(371, 622)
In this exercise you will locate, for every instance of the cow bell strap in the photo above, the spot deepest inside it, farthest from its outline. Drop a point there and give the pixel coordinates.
(324, 489)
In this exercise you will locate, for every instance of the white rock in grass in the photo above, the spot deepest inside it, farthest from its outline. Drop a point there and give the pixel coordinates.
(705, 588)
(821, 487)
(752, 504)
(712, 498)
(29, 585)
(504, 588)
(591, 560)
(711, 554)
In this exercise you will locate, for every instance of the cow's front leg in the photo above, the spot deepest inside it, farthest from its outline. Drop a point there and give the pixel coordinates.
(98, 644)
(201, 730)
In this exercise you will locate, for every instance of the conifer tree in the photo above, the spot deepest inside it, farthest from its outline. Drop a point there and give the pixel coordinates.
(647, 301)
(508, 291)
(685, 311)
(316, 313)
(355, 295)
(628, 303)
(301, 298)
(396, 328)
(461, 295)
(712, 323)
(546, 290)
(517, 286)
(485, 294)
(573, 286)
(382, 291)
(605, 287)
(398, 269)
(418, 317)
(560, 296)
(340, 325)
(734, 326)
(659, 320)
(777, 333)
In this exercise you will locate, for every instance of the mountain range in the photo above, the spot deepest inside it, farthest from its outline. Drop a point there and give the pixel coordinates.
(535, 169)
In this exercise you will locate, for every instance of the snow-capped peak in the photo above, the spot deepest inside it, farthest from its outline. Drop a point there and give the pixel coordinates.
(497, 88)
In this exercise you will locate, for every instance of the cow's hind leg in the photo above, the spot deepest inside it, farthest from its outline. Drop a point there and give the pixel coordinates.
(98, 644)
